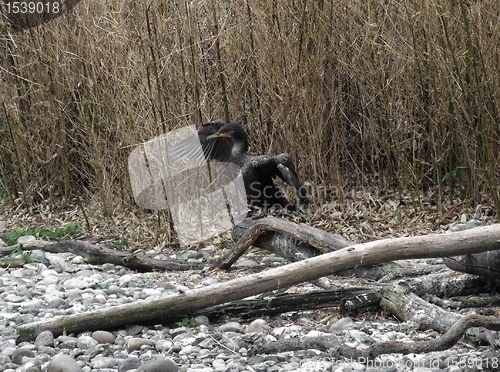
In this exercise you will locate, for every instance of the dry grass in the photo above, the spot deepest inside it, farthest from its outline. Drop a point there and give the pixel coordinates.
(361, 93)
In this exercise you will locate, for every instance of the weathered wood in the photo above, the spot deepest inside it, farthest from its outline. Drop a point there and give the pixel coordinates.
(100, 255)
(292, 241)
(485, 264)
(282, 303)
(465, 302)
(409, 307)
(287, 246)
(444, 342)
(332, 344)
(470, 241)
(448, 284)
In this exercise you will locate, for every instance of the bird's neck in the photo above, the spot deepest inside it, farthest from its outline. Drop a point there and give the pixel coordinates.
(239, 152)
(240, 147)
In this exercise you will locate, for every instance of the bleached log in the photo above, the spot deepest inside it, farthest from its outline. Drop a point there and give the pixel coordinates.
(476, 240)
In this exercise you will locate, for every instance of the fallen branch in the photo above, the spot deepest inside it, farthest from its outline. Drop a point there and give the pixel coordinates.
(332, 344)
(348, 299)
(409, 307)
(470, 241)
(287, 239)
(100, 255)
(485, 264)
(444, 342)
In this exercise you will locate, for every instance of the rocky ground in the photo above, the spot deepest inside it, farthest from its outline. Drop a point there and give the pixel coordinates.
(64, 284)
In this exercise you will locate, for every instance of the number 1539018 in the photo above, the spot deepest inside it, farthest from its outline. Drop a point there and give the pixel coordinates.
(31, 7)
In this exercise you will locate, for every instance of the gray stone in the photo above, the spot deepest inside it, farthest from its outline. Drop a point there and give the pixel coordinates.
(219, 365)
(31, 365)
(343, 324)
(257, 326)
(17, 356)
(136, 343)
(66, 342)
(63, 363)
(85, 342)
(4, 359)
(133, 329)
(195, 255)
(58, 303)
(45, 338)
(164, 344)
(103, 337)
(159, 365)
(129, 363)
(230, 327)
(202, 320)
(256, 359)
(245, 263)
(104, 362)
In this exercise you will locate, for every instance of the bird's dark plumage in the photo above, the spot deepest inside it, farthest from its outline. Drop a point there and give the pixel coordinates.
(227, 142)
(215, 150)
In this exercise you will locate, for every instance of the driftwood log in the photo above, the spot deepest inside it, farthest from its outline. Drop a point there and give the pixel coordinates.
(289, 240)
(407, 307)
(476, 240)
(333, 345)
(353, 298)
(485, 263)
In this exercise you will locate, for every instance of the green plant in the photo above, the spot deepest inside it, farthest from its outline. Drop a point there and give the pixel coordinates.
(389, 267)
(227, 245)
(453, 174)
(25, 255)
(66, 232)
(188, 322)
(118, 244)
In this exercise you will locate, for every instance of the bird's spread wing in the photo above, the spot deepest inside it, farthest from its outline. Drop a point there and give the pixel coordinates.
(199, 148)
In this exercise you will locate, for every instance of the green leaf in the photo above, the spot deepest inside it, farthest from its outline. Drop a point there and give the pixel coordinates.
(389, 267)
(452, 174)
(100, 286)
(66, 232)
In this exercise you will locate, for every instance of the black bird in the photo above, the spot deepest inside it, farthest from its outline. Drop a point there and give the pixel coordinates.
(210, 150)
(227, 142)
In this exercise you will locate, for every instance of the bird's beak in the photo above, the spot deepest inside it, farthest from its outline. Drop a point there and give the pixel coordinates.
(217, 135)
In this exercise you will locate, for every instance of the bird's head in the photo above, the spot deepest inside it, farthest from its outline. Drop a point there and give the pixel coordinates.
(231, 130)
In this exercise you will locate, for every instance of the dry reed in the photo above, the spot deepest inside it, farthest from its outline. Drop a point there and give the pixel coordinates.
(362, 93)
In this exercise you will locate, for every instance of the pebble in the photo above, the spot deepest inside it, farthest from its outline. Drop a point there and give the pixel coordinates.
(45, 338)
(136, 343)
(63, 363)
(103, 337)
(129, 363)
(68, 286)
(159, 365)
(19, 354)
(257, 326)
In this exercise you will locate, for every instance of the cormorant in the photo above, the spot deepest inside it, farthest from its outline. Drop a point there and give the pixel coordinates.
(227, 142)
